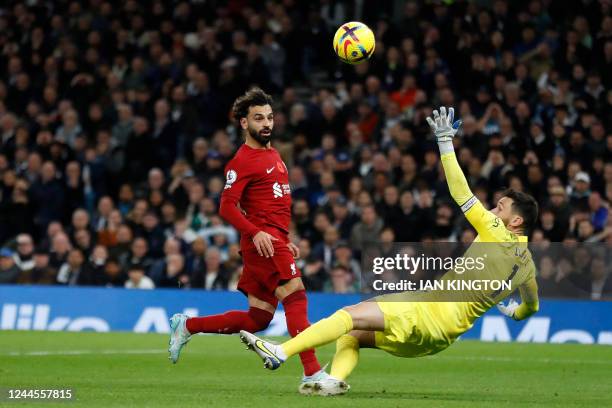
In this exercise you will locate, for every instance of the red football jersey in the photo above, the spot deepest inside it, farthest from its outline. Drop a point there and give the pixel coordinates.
(258, 180)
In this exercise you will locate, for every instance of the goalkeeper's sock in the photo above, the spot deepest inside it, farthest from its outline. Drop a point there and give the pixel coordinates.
(231, 322)
(296, 314)
(346, 357)
(322, 332)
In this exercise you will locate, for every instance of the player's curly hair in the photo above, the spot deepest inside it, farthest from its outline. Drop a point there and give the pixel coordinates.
(524, 205)
(253, 97)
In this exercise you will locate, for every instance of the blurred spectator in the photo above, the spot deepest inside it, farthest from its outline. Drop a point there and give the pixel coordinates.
(73, 270)
(601, 286)
(138, 255)
(42, 273)
(60, 247)
(341, 280)
(170, 272)
(114, 275)
(9, 272)
(344, 256)
(48, 193)
(599, 212)
(324, 251)
(580, 190)
(367, 230)
(137, 278)
(24, 257)
(213, 275)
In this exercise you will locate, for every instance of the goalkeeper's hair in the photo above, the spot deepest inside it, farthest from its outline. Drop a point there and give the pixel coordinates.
(253, 97)
(524, 205)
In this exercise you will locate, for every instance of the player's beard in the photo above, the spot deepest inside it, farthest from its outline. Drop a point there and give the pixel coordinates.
(263, 140)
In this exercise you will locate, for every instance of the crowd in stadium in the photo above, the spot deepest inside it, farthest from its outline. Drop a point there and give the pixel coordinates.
(115, 129)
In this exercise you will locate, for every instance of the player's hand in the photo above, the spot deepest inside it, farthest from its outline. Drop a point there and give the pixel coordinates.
(263, 244)
(442, 124)
(508, 310)
(295, 251)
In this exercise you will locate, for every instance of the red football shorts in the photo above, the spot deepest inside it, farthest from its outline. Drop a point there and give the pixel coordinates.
(261, 276)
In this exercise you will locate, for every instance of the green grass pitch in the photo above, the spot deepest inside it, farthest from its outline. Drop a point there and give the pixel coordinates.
(129, 370)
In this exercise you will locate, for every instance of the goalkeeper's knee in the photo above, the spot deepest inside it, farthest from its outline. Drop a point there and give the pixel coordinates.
(347, 341)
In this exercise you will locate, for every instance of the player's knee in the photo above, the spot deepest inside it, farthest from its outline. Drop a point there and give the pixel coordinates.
(364, 318)
(347, 341)
(297, 297)
(352, 310)
(260, 319)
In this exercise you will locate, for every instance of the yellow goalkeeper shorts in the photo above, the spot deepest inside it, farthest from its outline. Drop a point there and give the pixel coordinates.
(411, 328)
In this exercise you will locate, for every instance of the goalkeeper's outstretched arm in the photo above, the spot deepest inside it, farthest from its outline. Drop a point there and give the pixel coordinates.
(444, 129)
(481, 219)
(489, 227)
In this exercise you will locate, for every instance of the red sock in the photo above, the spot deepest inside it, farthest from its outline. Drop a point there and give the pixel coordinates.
(296, 313)
(231, 322)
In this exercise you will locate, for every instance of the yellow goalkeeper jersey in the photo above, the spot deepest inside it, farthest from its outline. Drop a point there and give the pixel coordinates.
(426, 326)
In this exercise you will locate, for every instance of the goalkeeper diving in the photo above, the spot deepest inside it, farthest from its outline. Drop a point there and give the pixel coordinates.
(420, 328)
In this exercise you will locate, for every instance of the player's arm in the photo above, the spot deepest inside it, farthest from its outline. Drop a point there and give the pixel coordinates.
(235, 183)
(236, 180)
(445, 129)
(529, 302)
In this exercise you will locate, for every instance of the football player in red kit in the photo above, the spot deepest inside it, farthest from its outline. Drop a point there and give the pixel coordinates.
(257, 181)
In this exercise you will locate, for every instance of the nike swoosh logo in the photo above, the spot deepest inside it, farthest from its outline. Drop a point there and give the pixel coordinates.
(263, 348)
(270, 170)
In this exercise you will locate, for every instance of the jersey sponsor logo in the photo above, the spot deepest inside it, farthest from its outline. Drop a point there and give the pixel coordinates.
(293, 269)
(276, 189)
(281, 189)
(230, 178)
(270, 170)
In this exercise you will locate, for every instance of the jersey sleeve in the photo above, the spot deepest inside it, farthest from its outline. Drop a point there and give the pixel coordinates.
(488, 226)
(529, 299)
(237, 178)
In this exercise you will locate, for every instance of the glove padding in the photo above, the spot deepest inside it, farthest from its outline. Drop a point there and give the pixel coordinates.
(442, 124)
(509, 309)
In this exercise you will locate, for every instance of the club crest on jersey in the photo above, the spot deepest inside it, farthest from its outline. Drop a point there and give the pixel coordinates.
(281, 166)
(230, 178)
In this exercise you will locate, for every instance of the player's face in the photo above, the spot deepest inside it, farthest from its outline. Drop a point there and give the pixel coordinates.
(259, 123)
(504, 211)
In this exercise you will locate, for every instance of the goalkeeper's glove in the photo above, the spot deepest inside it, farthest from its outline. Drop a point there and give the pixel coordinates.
(444, 128)
(509, 309)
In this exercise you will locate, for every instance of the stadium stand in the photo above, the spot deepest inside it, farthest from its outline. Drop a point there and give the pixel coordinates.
(115, 129)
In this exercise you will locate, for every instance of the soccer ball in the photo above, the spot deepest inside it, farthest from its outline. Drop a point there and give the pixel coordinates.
(354, 42)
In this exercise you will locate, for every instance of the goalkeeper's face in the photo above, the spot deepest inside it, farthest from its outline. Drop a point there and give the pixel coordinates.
(259, 123)
(504, 211)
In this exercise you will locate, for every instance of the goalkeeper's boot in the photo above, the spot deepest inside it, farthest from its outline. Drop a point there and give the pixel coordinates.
(311, 384)
(179, 336)
(270, 353)
(330, 386)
